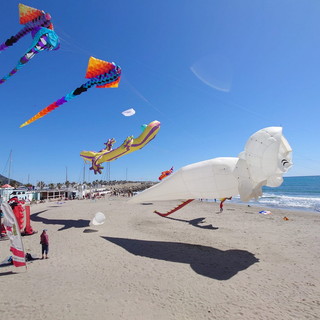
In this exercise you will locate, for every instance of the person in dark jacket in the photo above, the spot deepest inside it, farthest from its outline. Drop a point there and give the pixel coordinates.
(44, 241)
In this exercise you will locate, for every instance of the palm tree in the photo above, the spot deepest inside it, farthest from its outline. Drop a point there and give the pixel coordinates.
(41, 184)
(51, 185)
(14, 184)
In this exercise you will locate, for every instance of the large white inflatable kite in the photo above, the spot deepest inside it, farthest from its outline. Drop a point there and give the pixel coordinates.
(266, 157)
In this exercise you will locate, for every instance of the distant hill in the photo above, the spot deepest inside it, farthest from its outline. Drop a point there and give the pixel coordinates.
(13, 183)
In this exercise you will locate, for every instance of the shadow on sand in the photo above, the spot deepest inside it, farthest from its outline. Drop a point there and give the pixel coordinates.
(195, 223)
(6, 273)
(89, 230)
(206, 261)
(66, 224)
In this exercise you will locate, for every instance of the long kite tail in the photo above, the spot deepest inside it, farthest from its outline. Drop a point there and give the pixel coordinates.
(175, 209)
(55, 105)
(45, 111)
(27, 57)
(44, 40)
(11, 73)
(12, 40)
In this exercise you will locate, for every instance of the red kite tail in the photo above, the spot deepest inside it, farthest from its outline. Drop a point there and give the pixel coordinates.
(174, 209)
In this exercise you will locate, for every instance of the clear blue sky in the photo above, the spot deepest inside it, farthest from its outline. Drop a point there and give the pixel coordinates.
(212, 72)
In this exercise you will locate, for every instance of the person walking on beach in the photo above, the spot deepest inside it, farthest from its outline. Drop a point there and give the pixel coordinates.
(44, 241)
(222, 201)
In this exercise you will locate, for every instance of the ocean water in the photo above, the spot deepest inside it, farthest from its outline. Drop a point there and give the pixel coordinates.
(295, 193)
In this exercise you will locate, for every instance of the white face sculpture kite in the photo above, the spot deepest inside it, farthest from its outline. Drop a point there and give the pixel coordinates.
(266, 157)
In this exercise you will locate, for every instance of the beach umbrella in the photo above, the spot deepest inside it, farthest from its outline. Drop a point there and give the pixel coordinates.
(6, 186)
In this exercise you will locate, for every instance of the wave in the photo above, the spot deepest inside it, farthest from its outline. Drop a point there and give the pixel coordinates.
(305, 202)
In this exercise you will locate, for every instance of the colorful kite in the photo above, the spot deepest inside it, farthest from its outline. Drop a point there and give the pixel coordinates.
(129, 145)
(266, 157)
(32, 19)
(44, 38)
(102, 74)
(166, 173)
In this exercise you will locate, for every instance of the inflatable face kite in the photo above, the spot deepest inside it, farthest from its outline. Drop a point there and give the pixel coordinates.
(266, 157)
(38, 23)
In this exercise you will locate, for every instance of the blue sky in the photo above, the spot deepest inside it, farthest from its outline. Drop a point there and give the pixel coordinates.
(212, 72)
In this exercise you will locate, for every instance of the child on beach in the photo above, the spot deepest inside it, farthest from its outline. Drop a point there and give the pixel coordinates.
(44, 241)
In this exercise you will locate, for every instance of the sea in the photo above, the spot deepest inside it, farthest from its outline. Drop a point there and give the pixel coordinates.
(295, 193)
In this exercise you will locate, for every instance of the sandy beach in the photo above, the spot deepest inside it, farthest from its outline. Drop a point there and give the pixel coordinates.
(195, 264)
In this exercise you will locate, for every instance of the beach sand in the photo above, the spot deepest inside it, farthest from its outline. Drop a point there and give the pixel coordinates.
(195, 264)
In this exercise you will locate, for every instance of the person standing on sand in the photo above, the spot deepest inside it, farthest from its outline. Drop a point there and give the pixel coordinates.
(44, 241)
(222, 201)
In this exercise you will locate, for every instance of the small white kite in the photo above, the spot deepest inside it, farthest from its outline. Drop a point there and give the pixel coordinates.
(129, 112)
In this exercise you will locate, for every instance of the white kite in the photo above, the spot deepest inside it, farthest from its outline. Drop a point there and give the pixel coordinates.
(129, 112)
(13, 233)
(266, 157)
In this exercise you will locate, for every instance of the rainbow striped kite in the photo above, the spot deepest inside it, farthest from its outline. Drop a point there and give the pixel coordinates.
(102, 74)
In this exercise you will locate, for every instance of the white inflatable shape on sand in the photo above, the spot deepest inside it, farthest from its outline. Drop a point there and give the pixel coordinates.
(98, 219)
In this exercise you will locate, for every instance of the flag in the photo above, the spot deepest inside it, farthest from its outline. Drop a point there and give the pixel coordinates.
(13, 233)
